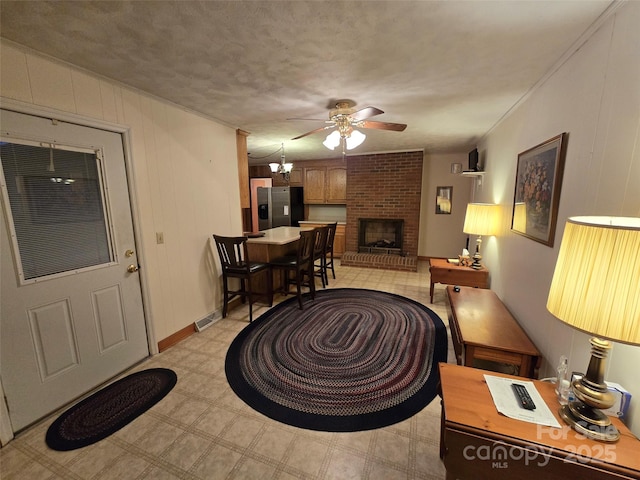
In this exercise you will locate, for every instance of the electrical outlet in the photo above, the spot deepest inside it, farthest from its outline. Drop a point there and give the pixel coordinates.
(159, 238)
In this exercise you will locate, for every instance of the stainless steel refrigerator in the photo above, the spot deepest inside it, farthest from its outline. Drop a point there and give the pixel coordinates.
(280, 207)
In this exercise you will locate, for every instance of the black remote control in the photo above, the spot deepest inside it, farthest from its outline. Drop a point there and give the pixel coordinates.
(524, 400)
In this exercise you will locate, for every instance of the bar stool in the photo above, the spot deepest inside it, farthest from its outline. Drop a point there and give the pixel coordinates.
(320, 255)
(236, 264)
(300, 265)
(328, 258)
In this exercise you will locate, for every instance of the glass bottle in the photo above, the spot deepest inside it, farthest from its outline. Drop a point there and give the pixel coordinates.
(562, 381)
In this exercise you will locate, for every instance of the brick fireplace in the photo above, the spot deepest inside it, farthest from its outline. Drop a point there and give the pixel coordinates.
(384, 187)
(380, 235)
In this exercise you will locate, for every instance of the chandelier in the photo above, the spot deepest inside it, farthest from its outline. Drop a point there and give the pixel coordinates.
(282, 167)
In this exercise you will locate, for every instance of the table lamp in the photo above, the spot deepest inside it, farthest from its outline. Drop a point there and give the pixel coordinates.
(481, 219)
(596, 289)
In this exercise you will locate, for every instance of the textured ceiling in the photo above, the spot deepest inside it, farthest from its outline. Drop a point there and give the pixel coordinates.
(448, 69)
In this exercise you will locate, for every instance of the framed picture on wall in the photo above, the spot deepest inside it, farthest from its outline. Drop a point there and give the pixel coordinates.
(444, 196)
(537, 190)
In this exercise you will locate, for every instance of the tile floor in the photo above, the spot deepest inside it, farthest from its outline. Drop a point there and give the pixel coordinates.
(201, 430)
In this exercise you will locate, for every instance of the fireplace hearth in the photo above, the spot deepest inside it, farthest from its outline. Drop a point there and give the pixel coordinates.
(380, 235)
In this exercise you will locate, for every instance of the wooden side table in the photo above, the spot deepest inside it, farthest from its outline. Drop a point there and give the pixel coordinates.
(478, 443)
(450, 274)
(482, 328)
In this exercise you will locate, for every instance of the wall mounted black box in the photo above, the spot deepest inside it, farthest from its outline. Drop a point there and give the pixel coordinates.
(473, 160)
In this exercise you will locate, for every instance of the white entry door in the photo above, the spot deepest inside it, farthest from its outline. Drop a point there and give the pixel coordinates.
(71, 315)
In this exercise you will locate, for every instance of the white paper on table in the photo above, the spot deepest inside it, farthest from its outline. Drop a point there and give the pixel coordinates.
(507, 404)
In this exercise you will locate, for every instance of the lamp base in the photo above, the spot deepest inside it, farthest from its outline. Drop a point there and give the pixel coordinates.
(589, 421)
(583, 414)
(476, 265)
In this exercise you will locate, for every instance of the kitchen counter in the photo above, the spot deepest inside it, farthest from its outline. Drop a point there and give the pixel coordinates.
(315, 222)
(277, 236)
(276, 242)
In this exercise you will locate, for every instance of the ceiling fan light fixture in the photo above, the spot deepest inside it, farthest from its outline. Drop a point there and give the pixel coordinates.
(332, 140)
(355, 139)
(344, 119)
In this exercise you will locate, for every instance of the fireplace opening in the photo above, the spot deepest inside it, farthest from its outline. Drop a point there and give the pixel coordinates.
(380, 235)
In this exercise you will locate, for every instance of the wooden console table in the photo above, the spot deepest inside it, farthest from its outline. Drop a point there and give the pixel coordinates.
(478, 443)
(482, 328)
(450, 274)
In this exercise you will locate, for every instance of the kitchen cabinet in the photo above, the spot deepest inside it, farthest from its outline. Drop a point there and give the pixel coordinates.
(325, 185)
(339, 241)
(314, 180)
(263, 171)
(294, 180)
(259, 171)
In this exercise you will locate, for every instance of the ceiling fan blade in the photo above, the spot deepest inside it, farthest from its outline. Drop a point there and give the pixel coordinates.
(313, 131)
(396, 127)
(310, 119)
(365, 112)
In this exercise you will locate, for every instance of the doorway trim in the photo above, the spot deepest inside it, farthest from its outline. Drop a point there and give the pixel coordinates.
(6, 430)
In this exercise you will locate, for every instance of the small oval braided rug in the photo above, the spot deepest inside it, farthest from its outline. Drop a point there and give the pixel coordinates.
(109, 409)
(353, 359)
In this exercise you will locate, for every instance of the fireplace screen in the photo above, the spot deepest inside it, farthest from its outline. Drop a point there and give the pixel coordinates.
(376, 235)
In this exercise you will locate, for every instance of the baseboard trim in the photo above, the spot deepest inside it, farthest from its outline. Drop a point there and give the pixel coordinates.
(177, 337)
(189, 330)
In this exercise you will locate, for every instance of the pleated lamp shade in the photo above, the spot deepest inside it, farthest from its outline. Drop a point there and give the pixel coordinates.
(482, 219)
(596, 282)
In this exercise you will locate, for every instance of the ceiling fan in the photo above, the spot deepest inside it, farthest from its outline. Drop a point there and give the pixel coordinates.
(343, 119)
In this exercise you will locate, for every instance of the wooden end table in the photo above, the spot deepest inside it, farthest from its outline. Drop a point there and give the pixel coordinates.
(482, 328)
(450, 274)
(478, 443)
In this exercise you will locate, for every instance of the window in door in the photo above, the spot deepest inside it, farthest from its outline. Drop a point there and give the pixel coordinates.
(57, 207)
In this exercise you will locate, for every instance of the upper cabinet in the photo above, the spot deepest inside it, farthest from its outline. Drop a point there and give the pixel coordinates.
(314, 184)
(325, 185)
(324, 181)
(336, 185)
(295, 179)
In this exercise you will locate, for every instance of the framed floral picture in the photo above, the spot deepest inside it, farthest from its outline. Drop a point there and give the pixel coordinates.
(537, 190)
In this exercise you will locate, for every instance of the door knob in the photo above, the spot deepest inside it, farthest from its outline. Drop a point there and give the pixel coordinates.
(132, 268)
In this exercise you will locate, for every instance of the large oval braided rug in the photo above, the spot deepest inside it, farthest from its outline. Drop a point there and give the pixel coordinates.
(353, 359)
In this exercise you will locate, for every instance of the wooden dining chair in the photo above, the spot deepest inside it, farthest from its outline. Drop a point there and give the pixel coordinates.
(320, 255)
(298, 268)
(235, 263)
(328, 257)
